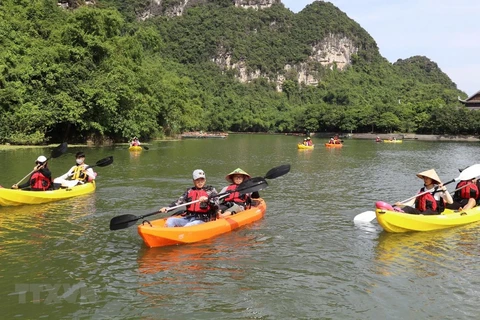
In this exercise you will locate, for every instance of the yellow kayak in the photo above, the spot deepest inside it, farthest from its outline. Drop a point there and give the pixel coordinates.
(15, 197)
(304, 147)
(393, 221)
(135, 148)
(392, 141)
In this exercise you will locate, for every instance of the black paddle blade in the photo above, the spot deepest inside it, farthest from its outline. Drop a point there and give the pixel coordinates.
(122, 222)
(59, 150)
(278, 171)
(250, 182)
(104, 162)
(146, 148)
(252, 185)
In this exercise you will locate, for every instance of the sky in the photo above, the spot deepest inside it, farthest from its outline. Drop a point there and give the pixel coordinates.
(445, 31)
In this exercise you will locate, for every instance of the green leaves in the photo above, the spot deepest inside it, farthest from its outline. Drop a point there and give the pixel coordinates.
(96, 70)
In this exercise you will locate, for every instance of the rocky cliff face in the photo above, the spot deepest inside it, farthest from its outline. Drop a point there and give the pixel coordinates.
(334, 51)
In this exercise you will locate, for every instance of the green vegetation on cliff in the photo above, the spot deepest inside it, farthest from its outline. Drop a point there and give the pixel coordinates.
(98, 72)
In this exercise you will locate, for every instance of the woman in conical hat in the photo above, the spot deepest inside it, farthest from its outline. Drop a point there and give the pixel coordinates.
(431, 198)
(238, 171)
(235, 201)
(432, 174)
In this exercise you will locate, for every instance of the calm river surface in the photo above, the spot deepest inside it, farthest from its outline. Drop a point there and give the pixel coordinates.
(305, 260)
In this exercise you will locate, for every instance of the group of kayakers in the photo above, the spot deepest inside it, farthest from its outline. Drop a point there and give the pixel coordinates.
(204, 203)
(41, 177)
(378, 139)
(135, 142)
(335, 140)
(434, 197)
(307, 142)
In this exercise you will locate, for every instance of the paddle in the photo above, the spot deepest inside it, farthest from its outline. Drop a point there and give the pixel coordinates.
(467, 174)
(127, 220)
(69, 183)
(271, 174)
(102, 162)
(56, 152)
(277, 172)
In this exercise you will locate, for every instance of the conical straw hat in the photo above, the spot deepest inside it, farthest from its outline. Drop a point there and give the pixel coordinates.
(430, 174)
(237, 171)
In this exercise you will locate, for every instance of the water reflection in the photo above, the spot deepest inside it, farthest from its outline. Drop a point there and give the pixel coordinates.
(134, 155)
(183, 259)
(34, 224)
(194, 269)
(425, 252)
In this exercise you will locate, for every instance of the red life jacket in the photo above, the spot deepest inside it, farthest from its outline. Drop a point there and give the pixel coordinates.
(426, 201)
(470, 191)
(235, 196)
(197, 207)
(39, 182)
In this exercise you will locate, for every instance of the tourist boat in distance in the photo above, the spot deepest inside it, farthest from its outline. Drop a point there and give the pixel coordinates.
(392, 141)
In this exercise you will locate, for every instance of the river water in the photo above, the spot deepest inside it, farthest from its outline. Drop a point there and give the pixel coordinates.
(305, 260)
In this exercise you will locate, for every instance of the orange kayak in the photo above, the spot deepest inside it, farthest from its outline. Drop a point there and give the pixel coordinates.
(333, 145)
(156, 235)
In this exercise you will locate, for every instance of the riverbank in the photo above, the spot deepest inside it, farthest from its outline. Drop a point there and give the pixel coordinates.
(321, 135)
(386, 136)
(413, 136)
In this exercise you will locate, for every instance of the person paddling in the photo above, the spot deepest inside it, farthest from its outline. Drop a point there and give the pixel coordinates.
(199, 212)
(80, 173)
(433, 201)
(466, 195)
(135, 142)
(234, 202)
(41, 178)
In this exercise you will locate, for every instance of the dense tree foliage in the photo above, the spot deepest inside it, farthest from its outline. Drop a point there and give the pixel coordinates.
(100, 73)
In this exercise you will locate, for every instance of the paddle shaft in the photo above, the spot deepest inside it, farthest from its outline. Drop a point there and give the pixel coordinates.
(219, 195)
(473, 170)
(36, 169)
(56, 152)
(168, 209)
(125, 221)
(469, 173)
(88, 167)
(248, 186)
